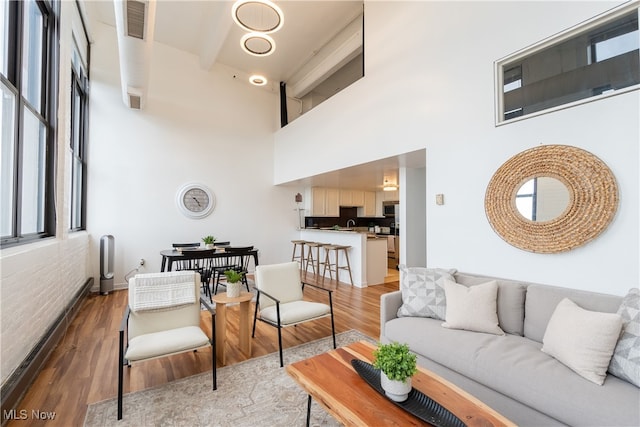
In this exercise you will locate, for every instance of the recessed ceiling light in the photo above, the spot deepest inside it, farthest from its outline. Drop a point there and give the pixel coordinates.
(258, 44)
(257, 15)
(258, 80)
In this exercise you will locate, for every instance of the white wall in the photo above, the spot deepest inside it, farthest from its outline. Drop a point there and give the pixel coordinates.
(197, 126)
(38, 280)
(429, 83)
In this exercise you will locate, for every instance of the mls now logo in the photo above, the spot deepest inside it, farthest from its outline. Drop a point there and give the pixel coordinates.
(23, 414)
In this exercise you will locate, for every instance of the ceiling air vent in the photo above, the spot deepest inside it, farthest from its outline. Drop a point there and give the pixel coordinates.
(136, 18)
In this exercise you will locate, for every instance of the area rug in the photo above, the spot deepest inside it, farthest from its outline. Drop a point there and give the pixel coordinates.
(256, 392)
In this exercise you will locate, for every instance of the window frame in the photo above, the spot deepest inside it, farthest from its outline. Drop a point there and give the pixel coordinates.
(46, 114)
(79, 86)
(511, 60)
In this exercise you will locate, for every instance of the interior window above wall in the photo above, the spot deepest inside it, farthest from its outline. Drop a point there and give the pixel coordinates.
(596, 59)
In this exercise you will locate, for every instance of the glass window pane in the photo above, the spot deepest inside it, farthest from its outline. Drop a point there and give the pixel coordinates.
(76, 195)
(33, 174)
(601, 58)
(7, 129)
(76, 118)
(32, 62)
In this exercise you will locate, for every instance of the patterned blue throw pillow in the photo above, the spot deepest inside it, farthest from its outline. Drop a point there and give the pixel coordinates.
(625, 363)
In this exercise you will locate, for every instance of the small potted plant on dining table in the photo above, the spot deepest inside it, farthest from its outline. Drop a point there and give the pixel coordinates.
(397, 365)
(209, 242)
(234, 283)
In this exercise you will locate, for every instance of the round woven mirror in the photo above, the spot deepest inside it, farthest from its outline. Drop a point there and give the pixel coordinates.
(592, 199)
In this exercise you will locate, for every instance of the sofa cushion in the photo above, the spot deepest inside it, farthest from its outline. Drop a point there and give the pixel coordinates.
(581, 339)
(541, 301)
(472, 308)
(510, 300)
(423, 291)
(515, 366)
(625, 362)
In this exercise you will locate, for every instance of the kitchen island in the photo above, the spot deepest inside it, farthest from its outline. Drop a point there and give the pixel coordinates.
(367, 255)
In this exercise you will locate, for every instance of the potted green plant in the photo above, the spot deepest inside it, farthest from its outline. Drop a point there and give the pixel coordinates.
(208, 241)
(397, 365)
(234, 283)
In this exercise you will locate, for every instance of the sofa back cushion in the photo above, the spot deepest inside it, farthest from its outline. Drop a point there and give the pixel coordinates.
(542, 300)
(511, 295)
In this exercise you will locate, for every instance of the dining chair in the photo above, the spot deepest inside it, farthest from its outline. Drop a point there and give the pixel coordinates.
(279, 300)
(202, 261)
(237, 258)
(162, 318)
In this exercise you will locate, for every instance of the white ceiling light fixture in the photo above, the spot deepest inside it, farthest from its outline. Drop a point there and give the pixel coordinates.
(258, 80)
(389, 187)
(261, 16)
(258, 44)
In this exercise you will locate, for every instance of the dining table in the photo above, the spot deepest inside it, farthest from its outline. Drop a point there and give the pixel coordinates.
(169, 256)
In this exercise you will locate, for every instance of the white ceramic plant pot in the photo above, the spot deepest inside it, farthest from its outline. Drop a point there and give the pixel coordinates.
(233, 289)
(397, 391)
(209, 246)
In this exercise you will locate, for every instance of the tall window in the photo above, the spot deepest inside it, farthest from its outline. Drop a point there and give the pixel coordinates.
(27, 113)
(598, 58)
(79, 118)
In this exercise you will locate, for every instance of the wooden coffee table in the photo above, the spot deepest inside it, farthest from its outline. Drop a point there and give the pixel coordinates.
(331, 380)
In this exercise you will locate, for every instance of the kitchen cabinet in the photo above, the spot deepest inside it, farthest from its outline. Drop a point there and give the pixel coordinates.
(351, 198)
(325, 201)
(369, 203)
(390, 196)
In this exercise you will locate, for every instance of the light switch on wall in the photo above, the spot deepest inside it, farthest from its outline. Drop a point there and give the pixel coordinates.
(439, 199)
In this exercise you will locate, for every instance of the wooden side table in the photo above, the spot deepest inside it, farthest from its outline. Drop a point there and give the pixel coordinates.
(244, 328)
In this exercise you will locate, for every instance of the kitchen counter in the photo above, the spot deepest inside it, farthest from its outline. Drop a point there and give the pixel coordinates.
(360, 260)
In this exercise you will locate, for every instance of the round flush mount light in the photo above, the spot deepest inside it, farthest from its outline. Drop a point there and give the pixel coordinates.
(258, 44)
(258, 80)
(257, 15)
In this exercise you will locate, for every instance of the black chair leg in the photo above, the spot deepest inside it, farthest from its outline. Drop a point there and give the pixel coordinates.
(333, 328)
(120, 374)
(255, 315)
(280, 345)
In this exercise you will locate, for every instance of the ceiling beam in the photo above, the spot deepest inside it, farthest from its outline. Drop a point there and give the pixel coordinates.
(345, 46)
(215, 27)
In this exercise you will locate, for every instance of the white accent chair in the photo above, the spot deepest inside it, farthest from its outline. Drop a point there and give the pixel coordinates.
(162, 329)
(279, 300)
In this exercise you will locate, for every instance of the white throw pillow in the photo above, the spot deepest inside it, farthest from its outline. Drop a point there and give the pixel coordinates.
(472, 308)
(582, 340)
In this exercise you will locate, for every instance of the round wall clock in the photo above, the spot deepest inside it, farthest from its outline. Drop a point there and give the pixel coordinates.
(195, 200)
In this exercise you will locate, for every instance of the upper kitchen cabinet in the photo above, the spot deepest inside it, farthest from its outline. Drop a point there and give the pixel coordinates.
(325, 201)
(390, 196)
(352, 198)
(369, 204)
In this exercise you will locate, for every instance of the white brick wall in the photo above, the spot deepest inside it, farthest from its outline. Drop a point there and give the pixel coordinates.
(37, 282)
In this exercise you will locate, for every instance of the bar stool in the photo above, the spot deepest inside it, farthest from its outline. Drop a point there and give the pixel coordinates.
(315, 261)
(327, 261)
(299, 257)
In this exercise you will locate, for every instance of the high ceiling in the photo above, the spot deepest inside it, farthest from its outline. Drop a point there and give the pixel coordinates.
(198, 26)
(207, 30)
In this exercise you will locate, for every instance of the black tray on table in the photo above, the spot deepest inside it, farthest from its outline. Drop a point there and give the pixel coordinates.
(418, 403)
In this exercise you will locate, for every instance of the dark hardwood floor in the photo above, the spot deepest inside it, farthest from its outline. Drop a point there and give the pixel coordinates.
(83, 367)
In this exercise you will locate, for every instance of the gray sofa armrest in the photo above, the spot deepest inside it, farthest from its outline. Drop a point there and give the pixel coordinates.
(389, 305)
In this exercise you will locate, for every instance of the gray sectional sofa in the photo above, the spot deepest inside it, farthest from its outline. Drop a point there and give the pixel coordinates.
(509, 372)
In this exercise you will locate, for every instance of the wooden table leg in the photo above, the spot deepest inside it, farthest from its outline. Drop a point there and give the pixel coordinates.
(221, 332)
(244, 328)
